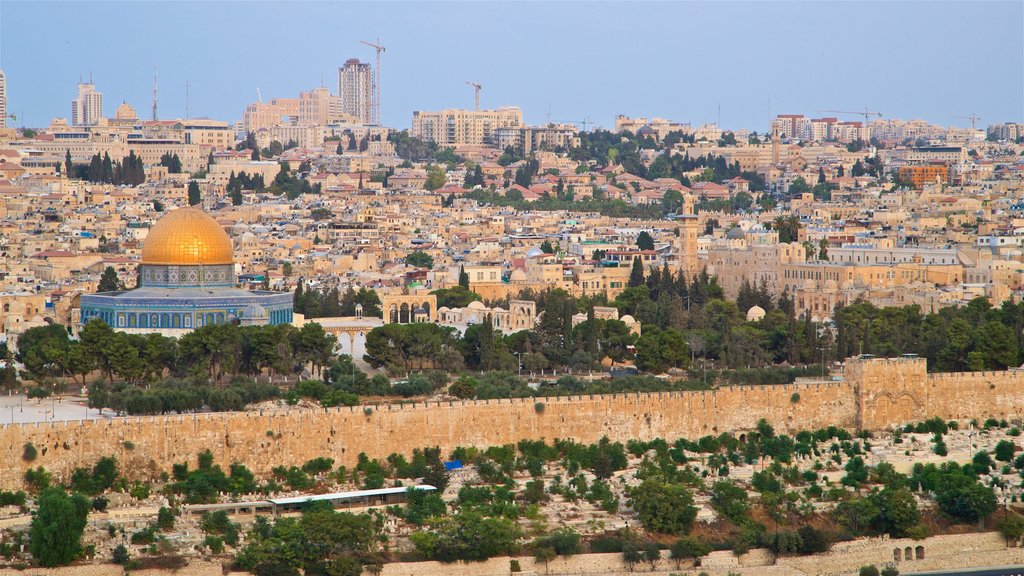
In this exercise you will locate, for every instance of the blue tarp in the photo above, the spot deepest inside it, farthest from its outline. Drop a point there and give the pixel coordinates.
(453, 465)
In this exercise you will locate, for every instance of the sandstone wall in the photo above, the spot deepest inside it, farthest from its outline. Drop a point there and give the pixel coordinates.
(876, 394)
(262, 440)
(899, 390)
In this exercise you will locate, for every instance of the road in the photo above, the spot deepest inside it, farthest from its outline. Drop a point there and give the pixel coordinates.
(987, 571)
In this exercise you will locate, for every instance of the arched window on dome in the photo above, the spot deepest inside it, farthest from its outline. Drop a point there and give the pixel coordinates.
(220, 318)
(131, 320)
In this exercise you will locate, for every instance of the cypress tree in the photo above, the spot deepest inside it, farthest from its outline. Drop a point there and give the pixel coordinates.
(636, 275)
(194, 195)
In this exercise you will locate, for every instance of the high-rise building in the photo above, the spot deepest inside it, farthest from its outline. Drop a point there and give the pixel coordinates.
(355, 87)
(3, 99)
(87, 109)
(458, 127)
(318, 107)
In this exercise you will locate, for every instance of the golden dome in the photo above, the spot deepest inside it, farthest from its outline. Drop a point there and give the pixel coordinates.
(125, 112)
(187, 236)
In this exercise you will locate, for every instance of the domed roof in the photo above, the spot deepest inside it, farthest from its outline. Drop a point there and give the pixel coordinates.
(755, 313)
(254, 312)
(125, 112)
(736, 233)
(534, 252)
(476, 305)
(187, 236)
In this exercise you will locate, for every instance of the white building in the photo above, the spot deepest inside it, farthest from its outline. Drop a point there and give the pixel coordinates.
(87, 109)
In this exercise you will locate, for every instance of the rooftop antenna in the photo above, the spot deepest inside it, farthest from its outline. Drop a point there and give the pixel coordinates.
(258, 95)
(187, 115)
(718, 121)
(155, 118)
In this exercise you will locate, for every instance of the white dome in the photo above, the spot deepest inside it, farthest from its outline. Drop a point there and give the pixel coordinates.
(534, 252)
(476, 305)
(755, 313)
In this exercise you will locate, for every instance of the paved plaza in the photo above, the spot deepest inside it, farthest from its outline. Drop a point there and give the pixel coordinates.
(20, 410)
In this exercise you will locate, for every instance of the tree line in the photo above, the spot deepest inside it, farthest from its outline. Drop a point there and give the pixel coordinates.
(130, 171)
(214, 353)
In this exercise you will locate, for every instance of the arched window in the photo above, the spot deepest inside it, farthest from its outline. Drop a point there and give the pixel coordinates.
(920, 552)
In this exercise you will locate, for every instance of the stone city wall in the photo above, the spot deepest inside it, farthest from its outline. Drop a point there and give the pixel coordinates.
(876, 394)
(845, 559)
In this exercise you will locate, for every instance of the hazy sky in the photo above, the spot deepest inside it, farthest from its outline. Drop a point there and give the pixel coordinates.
(578, 60)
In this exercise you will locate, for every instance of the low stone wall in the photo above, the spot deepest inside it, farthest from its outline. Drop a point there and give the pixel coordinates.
(197, 568)
(845, 559)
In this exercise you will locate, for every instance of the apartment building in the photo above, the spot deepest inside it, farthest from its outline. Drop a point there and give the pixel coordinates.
(456, 127)
(526, 139)
(264, 115)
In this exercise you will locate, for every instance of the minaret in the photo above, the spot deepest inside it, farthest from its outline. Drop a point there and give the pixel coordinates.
(686, 245)
(775, 145)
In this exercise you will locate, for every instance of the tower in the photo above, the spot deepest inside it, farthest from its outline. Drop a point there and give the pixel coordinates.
(355, 88)
(686, 245)
(87, 109)
(775, 145)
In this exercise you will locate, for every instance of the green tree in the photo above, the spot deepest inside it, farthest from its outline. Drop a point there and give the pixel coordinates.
(730, 501)
(194, 195)
(665, 508)
(636, 274)
(897, 511)
(420, 259)
(467, 535)
(969, 502)
(463, 278)
(56, 530)
(436, 177)
(109, 282)
(798, 186)
(644, 241)
(688, 548)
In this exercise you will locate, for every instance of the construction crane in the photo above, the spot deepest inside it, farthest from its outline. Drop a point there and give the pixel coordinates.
(583, 122)
(973, 118)
(376, 81)
(867, 114)
(476, 89)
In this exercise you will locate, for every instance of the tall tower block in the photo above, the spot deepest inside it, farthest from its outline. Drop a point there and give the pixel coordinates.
(686, 245)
